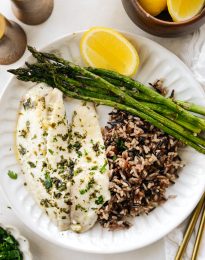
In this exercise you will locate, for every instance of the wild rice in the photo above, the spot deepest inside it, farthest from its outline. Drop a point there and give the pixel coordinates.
(143, 163)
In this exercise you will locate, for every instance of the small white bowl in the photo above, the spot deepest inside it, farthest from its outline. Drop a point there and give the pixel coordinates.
(23, 242)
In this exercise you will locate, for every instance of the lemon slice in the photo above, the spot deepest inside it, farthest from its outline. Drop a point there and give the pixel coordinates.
(153, 7)
(182, 10)
(105, 48)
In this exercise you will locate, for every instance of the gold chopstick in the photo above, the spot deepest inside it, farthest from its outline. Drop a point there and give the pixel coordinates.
(199, 236)
(190, 228)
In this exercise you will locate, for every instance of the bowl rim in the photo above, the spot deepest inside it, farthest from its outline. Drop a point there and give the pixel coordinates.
(138, 6)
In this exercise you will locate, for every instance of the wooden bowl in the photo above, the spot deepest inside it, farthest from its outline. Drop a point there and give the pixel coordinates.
(159, 27)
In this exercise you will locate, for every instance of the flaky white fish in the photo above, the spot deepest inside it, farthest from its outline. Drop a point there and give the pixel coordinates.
(41, 139)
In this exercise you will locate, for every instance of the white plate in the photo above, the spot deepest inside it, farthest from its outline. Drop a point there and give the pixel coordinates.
(23, 242)
(156, 62)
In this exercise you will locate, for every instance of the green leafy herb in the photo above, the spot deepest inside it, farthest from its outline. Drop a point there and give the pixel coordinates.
(48, 181)
(99, 200)
(77, 171)
(78, 206)
(34, 137)
(114, 157)
(88, 186)
(96, 148)
(55, 139)
(83, 191)
(79, 153)
(22, 150)
(120, 145)
(62, 187)
(32, 165)
(50, 151)
(9, 246)
(77, 145)
(45, 133)
(94, 168)
(12, 175)
(103, 168)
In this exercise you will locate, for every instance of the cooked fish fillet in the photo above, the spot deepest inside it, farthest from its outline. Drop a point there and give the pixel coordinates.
(89, 188)
(41, 139)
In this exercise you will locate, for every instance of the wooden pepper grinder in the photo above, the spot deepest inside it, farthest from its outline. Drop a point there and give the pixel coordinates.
(12, 41)
(32, 12)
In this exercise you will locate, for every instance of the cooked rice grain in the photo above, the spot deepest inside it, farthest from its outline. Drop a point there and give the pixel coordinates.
(143, 161)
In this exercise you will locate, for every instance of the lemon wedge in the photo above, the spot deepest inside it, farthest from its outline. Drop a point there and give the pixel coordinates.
(105, 48)
(182, 10)
(2, 25)
(153, 7)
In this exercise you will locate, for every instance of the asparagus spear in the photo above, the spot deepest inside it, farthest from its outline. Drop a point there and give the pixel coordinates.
(92, 86)
(138, 89)
(168, 124)
(38, 74)
(136, 112)
(120, 80)
(60, 81)
(173, 116)
(186, 105)
(191, 107)
(130, 83)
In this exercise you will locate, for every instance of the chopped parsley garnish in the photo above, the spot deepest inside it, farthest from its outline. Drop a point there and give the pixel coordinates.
(103, 168)
(96, 148)
(55, 139)
(88, 186)
(50, 109)
(50, 151)
(48, 181)
(63, 164)
(83, 191)
(32, 165)
(62, 186)
(114, 157)
(77, 145)
(78, 206)
(65, 137)
(22, 150)
(120, 145)
(27, 104)
(77, 171)
(12, 175)
(61, 122)
(79, 153)
(34, 137)
(99, 200)
(94, 168)
(24, 133)
(45, 133)
(57, 195)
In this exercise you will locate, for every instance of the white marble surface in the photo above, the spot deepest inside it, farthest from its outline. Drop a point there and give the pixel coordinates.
(71, 16)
